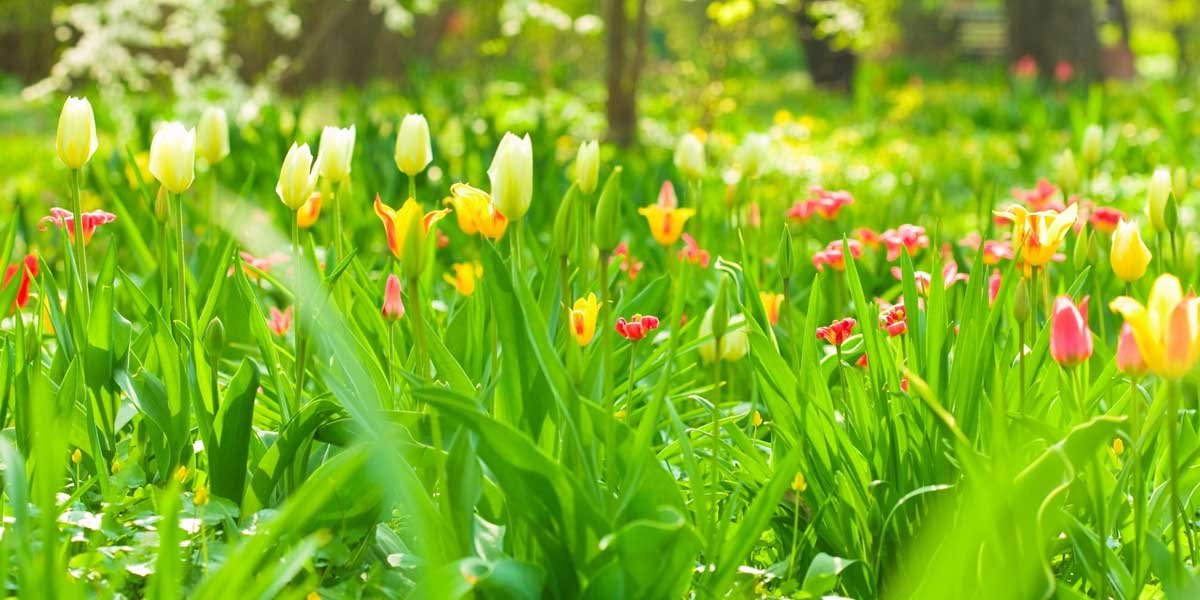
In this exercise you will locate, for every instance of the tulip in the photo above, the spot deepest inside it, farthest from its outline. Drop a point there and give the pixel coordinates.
(280, 322)
(665, 219)
(297, 178)
(587, 167)
(1090, 149)
(735, 343)
(407, 229)
(475, 211)
(582, 319)
(465, 275)
(994, 286)
(29, 269)
(1068, 172)
(1179, 183)
(61, 217)
(309, 213)
(1070, 338)
(689, 157)
(173, 157)
(76, 133)
(1129, 255)
(834, 255)
(1129, 358)
(1157, 192)
(511, 174)
(894, 320)
(393, 304)
(1105, 219)
(337, 148)
(771, 303)
(1167, 330)
(838, 332)
(906, 237)
(693, 253)
(636, 327)
(413, 149)
(754, 154)
(212, 135)
(1039, 233)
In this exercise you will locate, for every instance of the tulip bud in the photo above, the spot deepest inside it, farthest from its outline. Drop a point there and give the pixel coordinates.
(786, 262)
(1179, 183)
(1129, 357)
(1157, 192)
(754, 154)
(414, 151)
(393, 304)
(1171, 213)
(212, 135)
(1070, 338)
(1089, 150)
(337, 148)
(734, 344)
(689, 157)
(1079, 256)
(1022, 302)
(1129, 255)
(1068, 173)
(607, 231)
(297, 178)
(173, 157)
(162, 210)
(214, 340)
(720, 309)
(587, 167)
(511, 174)
(76, 132)
(565, 222)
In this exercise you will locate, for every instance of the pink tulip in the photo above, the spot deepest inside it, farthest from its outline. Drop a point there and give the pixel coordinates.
(1070, 338)
(393, 305)
(1129, 357)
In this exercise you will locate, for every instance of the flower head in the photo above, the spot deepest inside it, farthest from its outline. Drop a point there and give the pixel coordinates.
(393, 303)
(511, 174)
(834, 255)
(280, 321)
(665, 218)
(465, 275)
(407, 229)
(908, 237)
(735, 343)
(476, 213)
(1129, 255)
(297, 177)
(1167, 330)
(413, 149)
(29, 269)
(1129, 358)
(91, 220)
(212, 135)
(693, 253)
(336, 150)
(894, 320)
(689, 156)
(1070, 338)
(1039, 234)
(636, 327)
(1105, 218)
(173, 157)
(1043, 196)
(76, 133)
(582, 319)
(629, 263)
(838, 332)
(771, 303)
(309, 213)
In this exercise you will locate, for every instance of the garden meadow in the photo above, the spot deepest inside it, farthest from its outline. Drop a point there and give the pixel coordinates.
(937, 341)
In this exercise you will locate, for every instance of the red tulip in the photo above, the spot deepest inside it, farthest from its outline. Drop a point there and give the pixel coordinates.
(393, 305)
(29, 270)
(636, 327)
(280, 322)
(91, 220)
(837, 332)
(1129, 357)
(1070, 338)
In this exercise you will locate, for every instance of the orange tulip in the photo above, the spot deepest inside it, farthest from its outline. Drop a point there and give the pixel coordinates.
(407, 229)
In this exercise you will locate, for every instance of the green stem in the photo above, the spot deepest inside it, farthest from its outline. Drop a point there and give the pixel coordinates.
(412, 187)
(391, 364)
(605, 319)
(80, 254)
(714, 493)
(1139, 500)
(181, 284)
(298, 306)
(1172, 418)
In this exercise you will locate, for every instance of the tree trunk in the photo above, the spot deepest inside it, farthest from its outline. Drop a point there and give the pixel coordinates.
(624, 71)
(1052, 31)
(830, 68)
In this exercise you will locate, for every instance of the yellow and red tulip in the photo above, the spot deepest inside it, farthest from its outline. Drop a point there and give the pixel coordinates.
(309, 213)
(1038, 235)
(666, 219)
(582, 319)
(1167, 330)
(465, 276)
(91, 220)
(407, 229)
(1070, 337)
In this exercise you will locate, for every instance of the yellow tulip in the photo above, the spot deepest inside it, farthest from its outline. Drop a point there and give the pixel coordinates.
(337, 147)
(1167, 331)
(212, 135)
(475, 212)
(413, 149)
(407, 229)
(1157, 192)
(511, 174)
(666, 223)
(1129, 255)
(465, 275)
(76, 133)
(582, 319)
(1037, 235)
(297, 178)
(1090, 148)
(587, 166)
(173, 157)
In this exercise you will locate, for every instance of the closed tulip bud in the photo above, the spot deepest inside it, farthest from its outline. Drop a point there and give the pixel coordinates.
(511, 174)
(1068, 172)
(1070, 338)
(393, 304)
(337, 147)
(1089, 150)
(565, 222)
(1157, 193)
(297, 178)
(1022, 302)
(1129, 357)
(1179, 183)
(76, 133)
(689, 157)
(786, 257)
(1079, 256)
(173, 157)
(734, 345)
(1171, 213)
(214, 339)
(1129, 255)
(607, 231)
(414, 151)
(212, 135)
(587, 167)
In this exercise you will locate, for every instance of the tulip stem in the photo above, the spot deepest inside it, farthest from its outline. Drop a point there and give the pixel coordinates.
(1020, 370)
(714, 495)
(298, 333)
(182, 283)
(1173, 482)
(391, 363)
(606, 381)
(1139, 502)
(80, 254)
